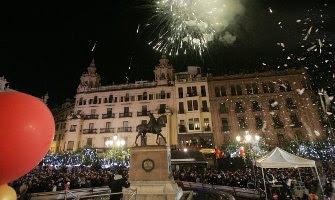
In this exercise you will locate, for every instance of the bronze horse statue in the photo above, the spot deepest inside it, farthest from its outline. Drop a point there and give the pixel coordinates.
(154, 126)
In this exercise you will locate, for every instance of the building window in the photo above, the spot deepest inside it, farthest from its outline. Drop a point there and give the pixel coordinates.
(95, 100)
(217, 91)
(70, 145)
(242, 123)
(105, 100)
(223, 108)
(204, 106)
(99, 101)
(81, 101)
(168, 95)
(90, 101)
(181, 108)
(192, 91)
(268, 87)
(290, 103)
(108, 125)
(182, 128)
(162, 109)
(192, 105)
(233, 90)
(145, 96)
(93, 111)
(223, 91)
(121, 100)
(115, 99)
(254, 88)
(126, 110)
(162, 94)
(239, 107)
(139, 97)
(73, 128)
(259, 122)
(295, 120)
(277, 123)
(196, 124)
(203, 91)
(255, 106)
(91, 126)
(189, 105)
(84, 102)
(110, 99)
(190, 124)
(89, 142)
(273, 105)
(180, 92)
(151, 96)
(225, 124)
(207, 124)
(195, 104)
(132, 98)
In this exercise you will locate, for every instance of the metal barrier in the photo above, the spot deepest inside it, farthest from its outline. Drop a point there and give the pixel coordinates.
(77, 194)
(235, 191)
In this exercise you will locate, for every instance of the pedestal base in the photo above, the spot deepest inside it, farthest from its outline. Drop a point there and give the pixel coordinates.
(150, 175)
(149, 190)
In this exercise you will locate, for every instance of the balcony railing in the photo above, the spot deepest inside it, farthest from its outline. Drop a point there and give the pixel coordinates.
(205, 109)
(108, 115)
(143, 113)
(106, 130)
(129, 114)
(91, 116)
(124, 129)
(90, 131)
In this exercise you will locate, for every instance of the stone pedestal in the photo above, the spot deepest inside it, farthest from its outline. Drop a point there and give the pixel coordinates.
(150, 175)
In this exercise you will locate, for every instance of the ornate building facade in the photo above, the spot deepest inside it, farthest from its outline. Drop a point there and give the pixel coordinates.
(104, 112)
(278, 106)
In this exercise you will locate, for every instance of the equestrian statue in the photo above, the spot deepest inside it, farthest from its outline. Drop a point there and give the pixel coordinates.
(154, 126)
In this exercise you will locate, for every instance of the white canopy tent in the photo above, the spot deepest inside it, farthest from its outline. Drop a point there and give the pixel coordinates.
(279, 158)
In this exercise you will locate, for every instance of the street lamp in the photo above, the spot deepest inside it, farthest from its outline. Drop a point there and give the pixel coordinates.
(250, 139)
(115, 142)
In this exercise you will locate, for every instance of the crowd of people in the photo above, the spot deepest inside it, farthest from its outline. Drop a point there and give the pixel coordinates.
(48, 178)
(248, 178)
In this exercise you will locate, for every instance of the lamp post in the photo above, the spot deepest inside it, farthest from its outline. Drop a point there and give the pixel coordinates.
(115, 142)
(250, 139)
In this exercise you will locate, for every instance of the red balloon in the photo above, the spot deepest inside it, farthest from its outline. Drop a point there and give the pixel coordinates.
(27, 128)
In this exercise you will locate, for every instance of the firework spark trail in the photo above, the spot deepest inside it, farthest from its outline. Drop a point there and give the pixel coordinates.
(190, 25)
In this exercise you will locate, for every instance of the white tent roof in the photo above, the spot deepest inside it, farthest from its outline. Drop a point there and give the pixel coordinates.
(279, 158)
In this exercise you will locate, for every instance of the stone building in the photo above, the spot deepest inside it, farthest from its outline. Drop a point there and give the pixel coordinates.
(278, 106)
(60, 116)
(192, 101)
(105, 112)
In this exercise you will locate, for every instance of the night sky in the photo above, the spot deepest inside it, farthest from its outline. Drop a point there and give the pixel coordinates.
(45, 48)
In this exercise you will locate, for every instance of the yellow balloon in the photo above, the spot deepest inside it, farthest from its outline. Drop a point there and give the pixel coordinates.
(7, 193)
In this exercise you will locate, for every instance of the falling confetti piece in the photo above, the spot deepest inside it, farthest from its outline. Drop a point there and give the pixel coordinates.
(301, 91)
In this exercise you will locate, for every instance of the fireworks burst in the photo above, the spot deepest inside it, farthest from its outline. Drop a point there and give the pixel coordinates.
(189, 25)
